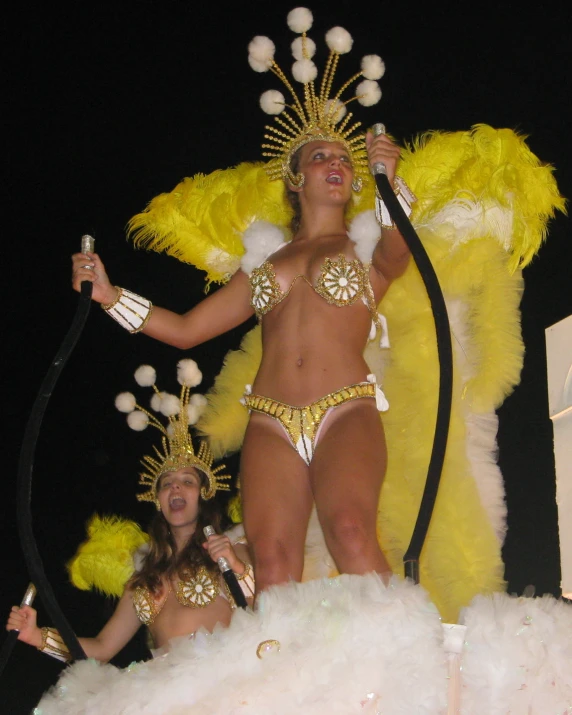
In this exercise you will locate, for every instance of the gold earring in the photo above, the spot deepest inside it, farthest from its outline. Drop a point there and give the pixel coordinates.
(296, 180)
(357, 184)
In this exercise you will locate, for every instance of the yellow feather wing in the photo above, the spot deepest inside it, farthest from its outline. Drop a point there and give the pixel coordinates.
(104, 561)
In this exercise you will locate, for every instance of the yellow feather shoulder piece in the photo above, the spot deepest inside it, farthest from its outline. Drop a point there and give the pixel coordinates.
(483, 182)
(202, 220)
(104, 561)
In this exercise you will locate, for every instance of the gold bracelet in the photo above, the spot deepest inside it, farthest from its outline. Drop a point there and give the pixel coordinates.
(108, 306)
(53, 645)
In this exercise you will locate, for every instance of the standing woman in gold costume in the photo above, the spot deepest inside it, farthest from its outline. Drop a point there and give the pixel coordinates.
(314, 433)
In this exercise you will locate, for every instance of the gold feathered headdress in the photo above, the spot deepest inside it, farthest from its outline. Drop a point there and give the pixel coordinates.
(177, 445)
(321, 114)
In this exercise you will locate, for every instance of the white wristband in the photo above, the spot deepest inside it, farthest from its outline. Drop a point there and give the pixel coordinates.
(130, 310)
(405, 197)
(246, 580)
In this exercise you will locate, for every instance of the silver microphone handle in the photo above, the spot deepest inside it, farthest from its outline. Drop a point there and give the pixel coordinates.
(379, 166)
(29, 596)
(87, 243)
(27, 600)
(222, 562)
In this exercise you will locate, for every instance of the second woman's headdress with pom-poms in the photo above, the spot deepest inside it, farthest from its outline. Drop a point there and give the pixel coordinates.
(321, 114)
(177, 445)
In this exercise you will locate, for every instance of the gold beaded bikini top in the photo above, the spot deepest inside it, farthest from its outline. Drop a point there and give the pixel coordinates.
(193, 590)
(341, 282)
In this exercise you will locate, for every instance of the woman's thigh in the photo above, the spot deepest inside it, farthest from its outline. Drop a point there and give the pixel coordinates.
(349, 463)
(275, 486)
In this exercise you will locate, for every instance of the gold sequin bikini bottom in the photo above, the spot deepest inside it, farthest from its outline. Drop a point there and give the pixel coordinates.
(303, 424)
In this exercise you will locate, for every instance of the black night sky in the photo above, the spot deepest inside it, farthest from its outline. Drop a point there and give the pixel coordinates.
(108, 106)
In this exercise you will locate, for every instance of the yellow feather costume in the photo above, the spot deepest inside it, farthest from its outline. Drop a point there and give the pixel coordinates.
(484, 201)
(104, 561)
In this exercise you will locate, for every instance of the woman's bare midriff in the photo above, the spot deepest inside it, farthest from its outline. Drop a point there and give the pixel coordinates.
(311, 348)
(177, 620)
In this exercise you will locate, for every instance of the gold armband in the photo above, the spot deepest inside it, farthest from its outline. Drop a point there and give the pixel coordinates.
(246, 580)
(405, 196)
(130, 310)
(53, 645)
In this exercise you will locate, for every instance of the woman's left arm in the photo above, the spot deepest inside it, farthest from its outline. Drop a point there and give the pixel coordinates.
(391, 255)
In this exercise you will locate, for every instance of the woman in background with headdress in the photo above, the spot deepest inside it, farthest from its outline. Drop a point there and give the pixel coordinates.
(314, 433)
(177, 587)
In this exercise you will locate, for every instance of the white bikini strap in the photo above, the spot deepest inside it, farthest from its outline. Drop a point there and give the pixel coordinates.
(380, 399)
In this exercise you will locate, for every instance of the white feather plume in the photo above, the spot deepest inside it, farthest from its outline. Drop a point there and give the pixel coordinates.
(260, 240)
(272, 101)
(339, 40)
(304, 71)
(372, 67)
(365, 232)
(368, 93)
(300, 19)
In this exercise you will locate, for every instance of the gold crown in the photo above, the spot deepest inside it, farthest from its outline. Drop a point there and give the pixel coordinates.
(321, 114)
(177, 445)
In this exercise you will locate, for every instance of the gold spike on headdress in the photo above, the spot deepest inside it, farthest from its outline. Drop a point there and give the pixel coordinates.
(177, 446)
(321, 114)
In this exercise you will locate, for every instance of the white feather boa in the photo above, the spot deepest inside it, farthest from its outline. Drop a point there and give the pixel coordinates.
(347, 645)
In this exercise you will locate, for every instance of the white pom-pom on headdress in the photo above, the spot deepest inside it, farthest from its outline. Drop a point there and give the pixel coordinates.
(303, 48)
(155, 401)
(272, 101)
(372, 67)
(125, 402)
(368, 93)
(335, 109)
(137, 420)
(170, 405)
(300, 20)
(260, 240)
(188, 373)
(145, 375)
(365, 232)
(199, 400)
(339, 40)
(304, 71)
(193, 414)
(261, 53)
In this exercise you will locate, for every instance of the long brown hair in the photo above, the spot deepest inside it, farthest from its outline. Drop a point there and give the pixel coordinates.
(163, 559)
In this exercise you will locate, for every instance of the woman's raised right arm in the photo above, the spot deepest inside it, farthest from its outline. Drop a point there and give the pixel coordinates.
(223, 310)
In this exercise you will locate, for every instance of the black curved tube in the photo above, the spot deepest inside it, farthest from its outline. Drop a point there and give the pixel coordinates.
(25, 469)
(445, 351)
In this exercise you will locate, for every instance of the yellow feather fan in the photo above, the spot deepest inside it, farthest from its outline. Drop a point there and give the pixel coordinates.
(104, 562)
(484, 201)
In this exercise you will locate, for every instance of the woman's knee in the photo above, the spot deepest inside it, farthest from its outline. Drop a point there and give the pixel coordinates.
(350, 534)
(275, 559)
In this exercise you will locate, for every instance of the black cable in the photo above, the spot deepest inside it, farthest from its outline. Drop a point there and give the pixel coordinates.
(25, 469)
(444, 348)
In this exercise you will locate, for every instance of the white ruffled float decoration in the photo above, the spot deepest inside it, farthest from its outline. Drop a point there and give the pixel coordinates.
(345, 645)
